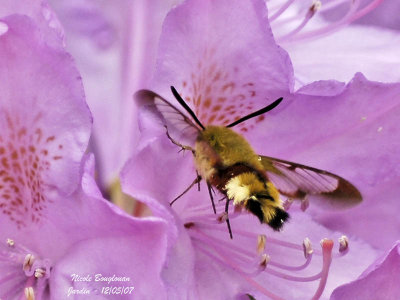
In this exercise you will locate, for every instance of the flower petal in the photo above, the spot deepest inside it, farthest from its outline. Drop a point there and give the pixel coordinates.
(222, 57)
(120, 39)
(44, 121)
(353, 134)
(136, 252)
(41, 13)
(379, 281)
(339, 56)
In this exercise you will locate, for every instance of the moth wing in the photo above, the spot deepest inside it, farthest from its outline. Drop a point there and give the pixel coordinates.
(298, 181)
(179, 125)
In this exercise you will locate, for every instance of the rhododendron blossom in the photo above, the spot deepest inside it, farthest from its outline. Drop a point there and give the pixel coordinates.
(338, 76)
(54, 222)
(224, 73)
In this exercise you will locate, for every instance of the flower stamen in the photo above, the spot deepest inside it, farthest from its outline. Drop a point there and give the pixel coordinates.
(261, 241)
(354, 12)
(28, 262)
(327, 246)
(307, 247)
(29, 293)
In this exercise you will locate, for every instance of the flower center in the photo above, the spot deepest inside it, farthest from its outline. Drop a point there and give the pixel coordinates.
(23, 272)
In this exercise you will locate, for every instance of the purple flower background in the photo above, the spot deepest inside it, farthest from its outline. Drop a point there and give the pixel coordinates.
(336, 65)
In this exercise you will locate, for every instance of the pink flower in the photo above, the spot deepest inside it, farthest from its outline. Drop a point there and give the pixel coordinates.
(226, 64)
(54, 222)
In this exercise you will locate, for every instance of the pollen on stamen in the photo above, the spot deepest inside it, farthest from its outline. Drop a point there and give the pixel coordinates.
(10, 242)
(261, 242)
(39, 273)
(264, 261)
(307, 248)
(28, 262)
(29, 293)
(315, 6)
(343, 244)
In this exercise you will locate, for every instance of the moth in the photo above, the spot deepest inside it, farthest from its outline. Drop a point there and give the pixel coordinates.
(228, 163)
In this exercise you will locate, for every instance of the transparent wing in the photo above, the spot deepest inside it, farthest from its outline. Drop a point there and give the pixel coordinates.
(298, 181)
(180, 126)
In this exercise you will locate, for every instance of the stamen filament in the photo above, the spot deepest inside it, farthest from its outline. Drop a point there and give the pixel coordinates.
(327, 246)
(310, 13)
(252, 235)
(290, 268)
(281, 10)
(326, 29)
(232, 266)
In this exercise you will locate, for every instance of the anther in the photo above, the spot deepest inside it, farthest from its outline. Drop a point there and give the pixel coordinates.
(264, 261)
(305, 203)
(316, 6)
(223, 217)
(261, 241)
(39, 273)
(307, 248)
(10, 242)
(188, 225)
(343, 244)
(28, 262)
(29, 293)
(287, 203)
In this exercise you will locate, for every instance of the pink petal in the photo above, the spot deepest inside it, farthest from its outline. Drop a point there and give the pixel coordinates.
(114, 44)
(222, 57)
(136, 252)
(379, 281)
(339, 56)
(353, 134)
(41, 13)
(44, 119)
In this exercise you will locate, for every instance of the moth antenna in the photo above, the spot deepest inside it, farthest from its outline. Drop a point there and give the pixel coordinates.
(257, 113)
(186, 107)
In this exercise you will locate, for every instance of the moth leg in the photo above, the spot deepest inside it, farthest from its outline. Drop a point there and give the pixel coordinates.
(198, 183)
(197, 180)
(183, 147)
(227, 218)
(222, 199)
(210, 191)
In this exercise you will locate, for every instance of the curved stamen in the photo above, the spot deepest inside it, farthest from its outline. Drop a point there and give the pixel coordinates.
(346, 19)
(290, 268)
(281, 10)
(327, 246)
(310, 13)
(354, 12)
